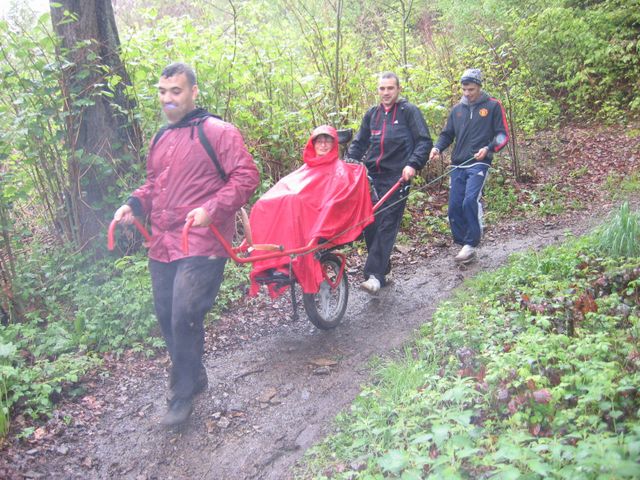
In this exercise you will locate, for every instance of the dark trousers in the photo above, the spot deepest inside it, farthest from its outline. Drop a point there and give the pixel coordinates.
(183, 292)
(380, 236)
(465, 210)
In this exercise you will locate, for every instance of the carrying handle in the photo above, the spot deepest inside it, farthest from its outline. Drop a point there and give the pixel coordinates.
(112, 229)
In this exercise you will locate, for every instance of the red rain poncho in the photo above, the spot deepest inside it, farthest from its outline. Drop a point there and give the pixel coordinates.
(325, 199)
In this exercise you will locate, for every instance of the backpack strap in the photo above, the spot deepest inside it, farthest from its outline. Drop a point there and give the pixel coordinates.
(157, 136)
(212, 153)
(203, 140)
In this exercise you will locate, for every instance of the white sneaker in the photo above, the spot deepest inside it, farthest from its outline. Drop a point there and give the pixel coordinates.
(372, 285)
(466, 254)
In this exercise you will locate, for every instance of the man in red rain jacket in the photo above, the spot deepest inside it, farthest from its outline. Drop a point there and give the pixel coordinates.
(185, 182)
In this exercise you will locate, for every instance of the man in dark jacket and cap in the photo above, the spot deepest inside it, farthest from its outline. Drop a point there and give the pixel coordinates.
(197, 168)
(478, 125)
(393, 142)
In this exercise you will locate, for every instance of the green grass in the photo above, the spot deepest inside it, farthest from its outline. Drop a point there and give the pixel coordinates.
(532, 371)
(621, 186)
(620, 237)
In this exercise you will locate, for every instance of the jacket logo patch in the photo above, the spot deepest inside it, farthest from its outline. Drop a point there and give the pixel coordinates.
(376, 132)
(483, 112)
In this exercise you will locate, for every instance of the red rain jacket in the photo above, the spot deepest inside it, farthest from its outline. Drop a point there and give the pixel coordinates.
(181, 176)
(326, 198)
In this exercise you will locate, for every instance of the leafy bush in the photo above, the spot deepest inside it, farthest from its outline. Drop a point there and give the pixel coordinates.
(117, 312)
(531, 372)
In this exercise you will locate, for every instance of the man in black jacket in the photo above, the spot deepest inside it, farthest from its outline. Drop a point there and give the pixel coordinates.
(393, 142)
(479, 126)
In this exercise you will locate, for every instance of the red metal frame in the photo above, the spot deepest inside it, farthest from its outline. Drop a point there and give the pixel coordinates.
(343, 262)
(112, 229)
(273, 251)
(391, 191)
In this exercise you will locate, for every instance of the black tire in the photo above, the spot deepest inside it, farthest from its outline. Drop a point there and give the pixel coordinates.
(326, 308)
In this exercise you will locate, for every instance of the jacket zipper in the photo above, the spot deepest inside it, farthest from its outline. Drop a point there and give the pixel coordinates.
(384, 129)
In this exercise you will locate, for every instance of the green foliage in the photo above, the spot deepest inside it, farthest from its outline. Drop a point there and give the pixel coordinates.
(531, 372)
(75, 305)
(621, 186)
(277, 69)
(503, 200)
(621, 236)
(558, 57)
(233, 287)
(114, 311)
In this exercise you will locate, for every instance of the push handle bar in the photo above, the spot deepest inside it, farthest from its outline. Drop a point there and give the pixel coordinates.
(386, 196)
(274, 251)
(112, 229)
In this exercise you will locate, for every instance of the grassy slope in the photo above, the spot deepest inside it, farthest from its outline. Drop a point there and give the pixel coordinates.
(531, 372)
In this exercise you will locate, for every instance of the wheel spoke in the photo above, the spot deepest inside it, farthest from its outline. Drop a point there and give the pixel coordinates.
(326, 307)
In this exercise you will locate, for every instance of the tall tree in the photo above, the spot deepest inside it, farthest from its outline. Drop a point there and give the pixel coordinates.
(101, 132)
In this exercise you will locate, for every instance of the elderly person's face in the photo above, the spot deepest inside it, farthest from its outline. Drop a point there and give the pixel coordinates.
(323, 144)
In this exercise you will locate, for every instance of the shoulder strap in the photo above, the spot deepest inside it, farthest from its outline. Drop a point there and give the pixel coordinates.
(157, 136)
(203, 140)
(212, 153)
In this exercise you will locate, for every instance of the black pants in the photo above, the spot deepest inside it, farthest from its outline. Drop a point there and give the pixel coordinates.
(380, 236)
(183, 292)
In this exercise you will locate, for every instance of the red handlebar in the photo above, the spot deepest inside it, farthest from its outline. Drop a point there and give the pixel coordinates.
(112, 229)
(276, 250)
(386, 196)
(185, 236)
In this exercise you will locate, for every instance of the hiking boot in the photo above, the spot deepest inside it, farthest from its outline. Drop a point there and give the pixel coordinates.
(179, 411)
(372, 285)
(466, 254)
(202, 382)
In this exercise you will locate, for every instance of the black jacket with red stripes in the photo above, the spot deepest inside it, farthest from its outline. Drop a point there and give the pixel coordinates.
(390, 140)
(474, 126)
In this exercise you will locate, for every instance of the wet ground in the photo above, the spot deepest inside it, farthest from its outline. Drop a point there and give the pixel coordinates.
(271, 396)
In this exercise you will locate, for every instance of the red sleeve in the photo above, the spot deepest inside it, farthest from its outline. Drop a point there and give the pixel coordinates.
(144, 193)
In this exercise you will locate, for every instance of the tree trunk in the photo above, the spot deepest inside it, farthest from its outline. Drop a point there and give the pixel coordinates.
(102, 134)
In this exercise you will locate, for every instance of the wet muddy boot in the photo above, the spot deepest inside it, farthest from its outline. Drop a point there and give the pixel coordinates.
(202, 382)
(179, 412)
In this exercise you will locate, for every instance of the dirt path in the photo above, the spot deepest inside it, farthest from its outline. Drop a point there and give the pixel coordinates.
(269, 398)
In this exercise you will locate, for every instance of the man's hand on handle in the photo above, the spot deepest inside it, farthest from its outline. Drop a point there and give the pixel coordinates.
(408, 173)
(200, 217)
(480, 154)
(124, 215)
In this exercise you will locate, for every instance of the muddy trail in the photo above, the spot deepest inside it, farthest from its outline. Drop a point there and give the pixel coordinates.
(276, 384)
(269, 398)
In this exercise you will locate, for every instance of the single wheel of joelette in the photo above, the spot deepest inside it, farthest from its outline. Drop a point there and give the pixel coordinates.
(326, 308)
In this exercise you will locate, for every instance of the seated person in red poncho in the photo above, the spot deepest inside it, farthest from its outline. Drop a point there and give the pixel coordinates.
(325, 200)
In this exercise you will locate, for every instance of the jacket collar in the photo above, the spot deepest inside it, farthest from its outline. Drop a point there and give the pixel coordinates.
(483, 97)
(190, 118)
